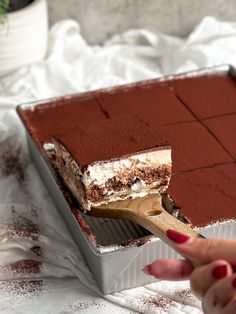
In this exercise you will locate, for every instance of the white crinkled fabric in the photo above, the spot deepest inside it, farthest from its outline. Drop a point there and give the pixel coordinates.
(41, 270)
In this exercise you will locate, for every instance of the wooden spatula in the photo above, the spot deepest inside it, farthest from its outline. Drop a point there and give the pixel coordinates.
(148, 212)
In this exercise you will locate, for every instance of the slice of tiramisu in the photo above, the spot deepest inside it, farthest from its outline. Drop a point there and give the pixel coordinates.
(112, 160)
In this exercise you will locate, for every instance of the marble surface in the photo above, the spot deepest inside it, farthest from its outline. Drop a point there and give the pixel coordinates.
(100, 19)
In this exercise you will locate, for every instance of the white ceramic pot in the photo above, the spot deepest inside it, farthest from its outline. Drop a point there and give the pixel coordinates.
(23, 37)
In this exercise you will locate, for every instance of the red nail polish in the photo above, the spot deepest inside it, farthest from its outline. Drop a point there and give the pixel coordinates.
(220, 271)
(146, 269)
(176, 236)
(234, 283)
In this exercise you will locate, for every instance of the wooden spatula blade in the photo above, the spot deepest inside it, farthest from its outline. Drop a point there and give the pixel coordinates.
(144, 206)
(148, 212)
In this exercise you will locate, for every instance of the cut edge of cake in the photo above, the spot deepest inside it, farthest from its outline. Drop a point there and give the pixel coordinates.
(104, 181)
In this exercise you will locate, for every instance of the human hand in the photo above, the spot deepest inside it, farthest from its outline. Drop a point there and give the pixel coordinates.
(213, 280)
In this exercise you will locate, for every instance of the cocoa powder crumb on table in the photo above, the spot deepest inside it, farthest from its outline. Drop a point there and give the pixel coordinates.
(157, 302)
(85, 305)
(12, 165)
(160, 302)
(37, 250)
(23, 267)
(21, 287)
(184, 293)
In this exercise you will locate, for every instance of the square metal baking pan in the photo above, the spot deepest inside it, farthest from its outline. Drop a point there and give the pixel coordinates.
(115, 250)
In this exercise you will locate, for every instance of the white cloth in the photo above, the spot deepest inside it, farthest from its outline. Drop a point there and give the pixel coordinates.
(73, 66)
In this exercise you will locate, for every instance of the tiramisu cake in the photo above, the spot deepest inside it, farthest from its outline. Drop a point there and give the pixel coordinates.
(113, 159)
(116, 144)
(206, 196)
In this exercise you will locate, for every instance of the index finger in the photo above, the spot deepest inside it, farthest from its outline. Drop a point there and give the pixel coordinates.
(203, 251)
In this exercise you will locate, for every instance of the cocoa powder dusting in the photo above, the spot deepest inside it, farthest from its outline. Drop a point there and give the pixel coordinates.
(185, 296)
(93, 305)
(155, 302)
(184, 293)
(22, 267)
(9, 233)
(85, 228)
(159, 302)
(25, 227)
(37, 251)
(22, 223)
(137, 242)
(21, 287)
(10, 164)
(20, 226)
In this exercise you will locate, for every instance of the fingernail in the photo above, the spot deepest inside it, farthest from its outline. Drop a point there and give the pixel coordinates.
(220, 271)
(176, 236)
(146, 269)
(234, 283)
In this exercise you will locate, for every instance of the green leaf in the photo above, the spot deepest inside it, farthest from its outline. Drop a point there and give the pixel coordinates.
(4, 5)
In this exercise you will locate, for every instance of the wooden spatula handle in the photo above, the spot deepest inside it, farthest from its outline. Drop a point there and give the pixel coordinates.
(148, 213)
(159, 223)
